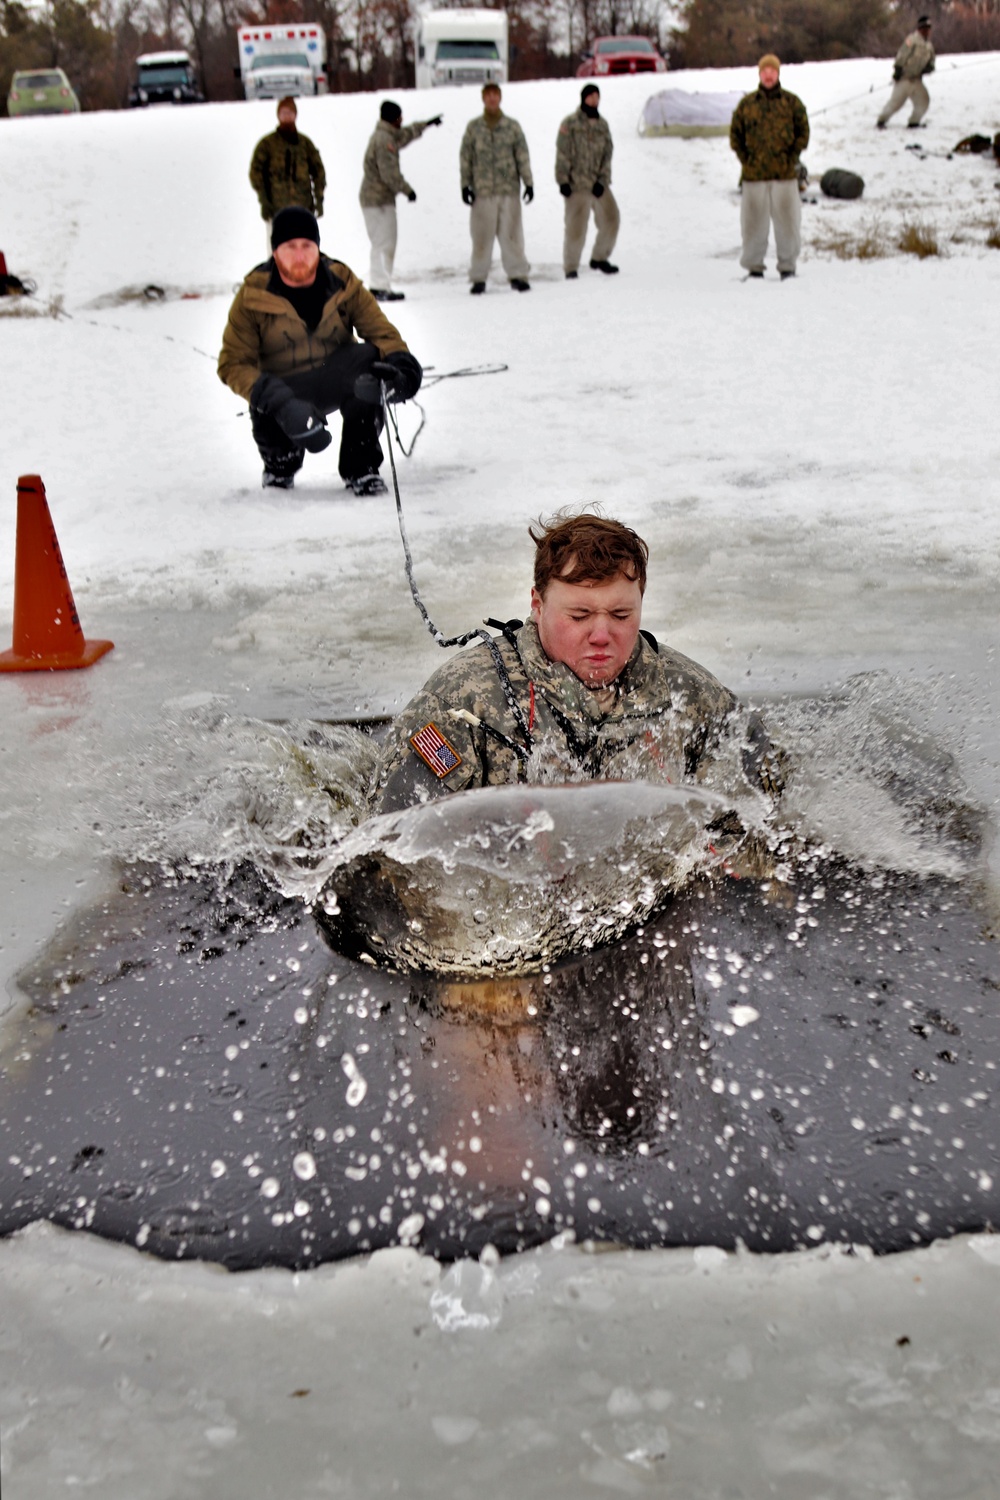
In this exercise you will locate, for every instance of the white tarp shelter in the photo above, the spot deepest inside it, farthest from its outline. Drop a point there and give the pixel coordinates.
(677, 112)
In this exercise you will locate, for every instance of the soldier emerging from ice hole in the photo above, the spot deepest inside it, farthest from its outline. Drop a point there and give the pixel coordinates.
(913, 61)
(769, 131)
(577, 693)
(289, 349)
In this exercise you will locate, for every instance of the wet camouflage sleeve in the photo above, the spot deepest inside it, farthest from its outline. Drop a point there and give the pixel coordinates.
(672, 722)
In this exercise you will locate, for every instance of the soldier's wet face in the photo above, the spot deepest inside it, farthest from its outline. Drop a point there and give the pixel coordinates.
(287, 114)
(297, 262)
(590, 627)
(769, 77)
(491, 100)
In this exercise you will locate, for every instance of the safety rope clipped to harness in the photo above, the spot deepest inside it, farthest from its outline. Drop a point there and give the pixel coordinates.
(470, 635)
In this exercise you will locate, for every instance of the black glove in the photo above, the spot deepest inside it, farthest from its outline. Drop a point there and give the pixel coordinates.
(468, 196)
(565, 189)
(299, 420)
(436, 120)
(598, 190)
(400, 373)
(528, 193)
(897, 74)
(412, 196)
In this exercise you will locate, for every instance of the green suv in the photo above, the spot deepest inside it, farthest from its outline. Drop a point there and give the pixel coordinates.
(42, 92)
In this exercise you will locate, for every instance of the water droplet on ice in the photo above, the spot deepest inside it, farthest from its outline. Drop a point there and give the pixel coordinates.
(357, 1088)
(270, 1187)
(304, 1165)
(218, 1168)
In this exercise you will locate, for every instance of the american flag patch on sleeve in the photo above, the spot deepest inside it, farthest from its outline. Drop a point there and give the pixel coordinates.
(435, 751)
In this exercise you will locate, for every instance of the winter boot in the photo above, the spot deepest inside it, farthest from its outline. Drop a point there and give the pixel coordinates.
(520, 285)
(271, 481)
(478, 288)
(605, 266)
(367, 484)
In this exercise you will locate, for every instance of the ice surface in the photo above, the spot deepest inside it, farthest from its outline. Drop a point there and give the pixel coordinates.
(814, 465)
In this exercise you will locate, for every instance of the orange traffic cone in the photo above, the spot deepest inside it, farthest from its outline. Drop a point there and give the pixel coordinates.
(47, 633)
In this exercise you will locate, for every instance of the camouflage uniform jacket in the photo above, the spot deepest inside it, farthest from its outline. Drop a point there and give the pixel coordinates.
(669, 716)
(383, 178)
(769, 131)
(583, 152)
(914, 58)
(494, 158)
(285, 172)
(265, 334)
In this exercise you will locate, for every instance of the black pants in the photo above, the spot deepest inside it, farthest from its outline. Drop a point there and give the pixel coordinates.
(331, 388)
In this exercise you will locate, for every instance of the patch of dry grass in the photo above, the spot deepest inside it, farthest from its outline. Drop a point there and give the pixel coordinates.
(870, 242)
(918, 238)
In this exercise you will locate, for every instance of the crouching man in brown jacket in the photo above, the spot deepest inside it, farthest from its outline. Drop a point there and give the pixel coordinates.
(290, 349)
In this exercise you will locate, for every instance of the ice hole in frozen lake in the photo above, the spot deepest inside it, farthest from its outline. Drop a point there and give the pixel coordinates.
(773, 1061)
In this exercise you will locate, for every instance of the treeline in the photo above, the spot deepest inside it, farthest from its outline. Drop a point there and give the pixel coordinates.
(724, 33)
(371, 41)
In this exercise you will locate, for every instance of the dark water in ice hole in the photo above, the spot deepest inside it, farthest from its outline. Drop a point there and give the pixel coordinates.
(199, 1074)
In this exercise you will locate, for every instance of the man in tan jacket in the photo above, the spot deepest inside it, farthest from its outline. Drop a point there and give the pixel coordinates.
(289, 349)
(914, 59)
(383, 181)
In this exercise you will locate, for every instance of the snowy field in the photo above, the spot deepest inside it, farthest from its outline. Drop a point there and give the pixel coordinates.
(814, 465)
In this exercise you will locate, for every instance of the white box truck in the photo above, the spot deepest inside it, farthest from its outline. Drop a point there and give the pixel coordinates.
(461, 46)
(276, 61)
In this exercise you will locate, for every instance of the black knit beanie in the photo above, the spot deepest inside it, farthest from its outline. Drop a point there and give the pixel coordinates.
(391, 112)
(589, 88)
(293, 224)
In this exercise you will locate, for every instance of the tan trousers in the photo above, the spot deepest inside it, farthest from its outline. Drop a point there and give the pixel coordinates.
(381, 226)
(912, 89)
(763, 204)
(577, 217)
(492, 219)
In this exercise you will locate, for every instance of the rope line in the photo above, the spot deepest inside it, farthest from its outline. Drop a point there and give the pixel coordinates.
(438, 635)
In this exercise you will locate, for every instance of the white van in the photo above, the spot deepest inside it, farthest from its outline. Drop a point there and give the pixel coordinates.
(461, 46)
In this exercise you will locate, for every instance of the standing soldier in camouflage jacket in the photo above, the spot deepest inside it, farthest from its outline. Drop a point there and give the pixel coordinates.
(286, 168)
(576, 694)
(380, 185)
(768, 132)
(494, 162)
(914, 59)
(583, 172)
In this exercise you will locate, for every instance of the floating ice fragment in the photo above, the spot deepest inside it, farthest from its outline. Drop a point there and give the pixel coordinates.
(218, 1168)
(304, 1165)
(743, 1015)
(709, 1257)
(468, 1296)
(270, 1187)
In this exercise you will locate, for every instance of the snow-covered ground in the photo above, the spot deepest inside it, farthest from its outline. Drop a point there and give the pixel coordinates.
(815, 467)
